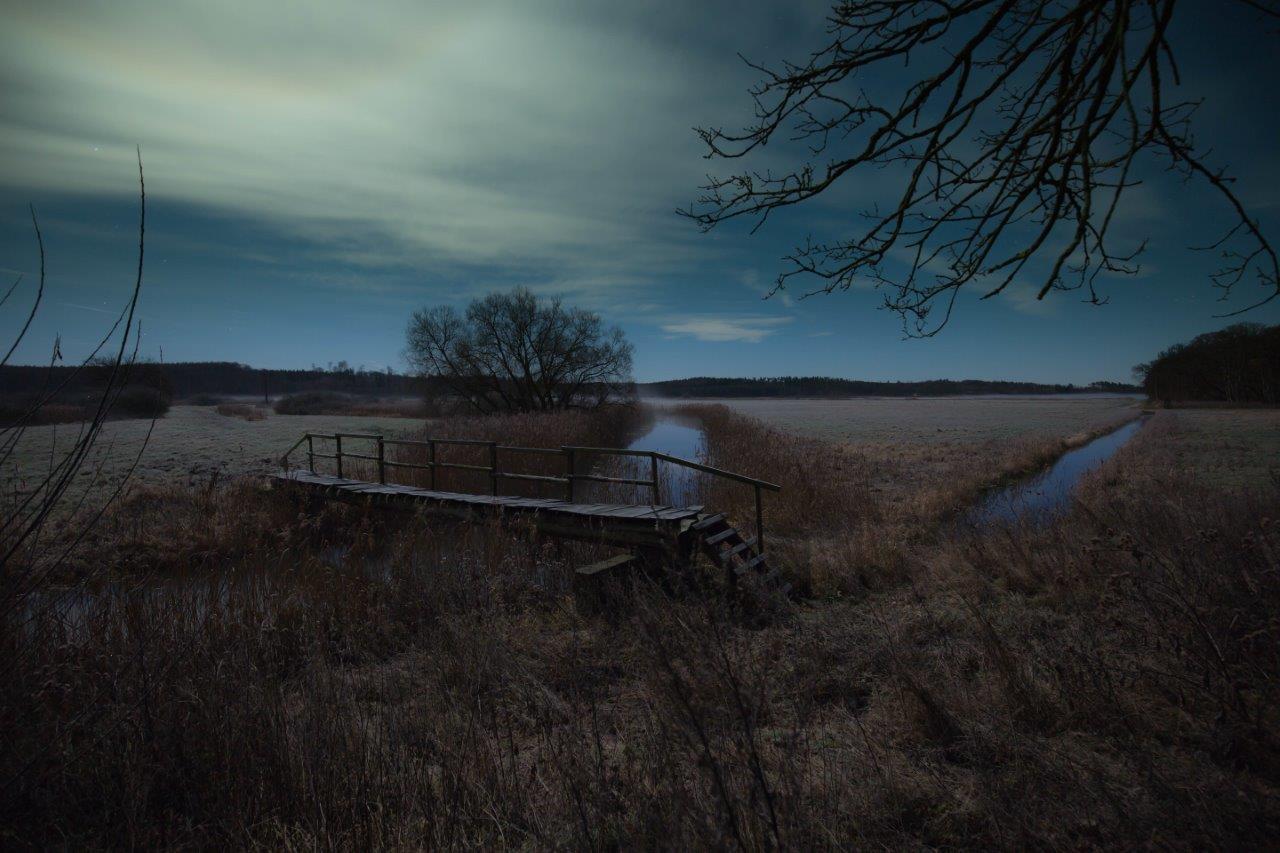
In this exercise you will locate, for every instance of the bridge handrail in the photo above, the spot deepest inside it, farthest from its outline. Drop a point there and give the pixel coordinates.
(569, 452)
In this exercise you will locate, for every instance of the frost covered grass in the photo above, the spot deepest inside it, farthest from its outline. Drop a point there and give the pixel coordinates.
(188, 445)
(937, 421)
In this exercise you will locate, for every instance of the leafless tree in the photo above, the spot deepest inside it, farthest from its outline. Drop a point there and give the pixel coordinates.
(1014, 146)
(514, 352)
(26, 559)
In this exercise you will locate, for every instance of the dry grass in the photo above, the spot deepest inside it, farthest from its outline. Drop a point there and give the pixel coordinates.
(15, 411)
(334, 403)
(243, 411)
(847, 515)
(328, 676)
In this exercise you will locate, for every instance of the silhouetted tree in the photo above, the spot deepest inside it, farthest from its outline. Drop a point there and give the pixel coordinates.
(514, 352)
(1013, 146)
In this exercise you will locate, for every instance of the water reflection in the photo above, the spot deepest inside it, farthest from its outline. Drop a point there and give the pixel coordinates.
(674, 435)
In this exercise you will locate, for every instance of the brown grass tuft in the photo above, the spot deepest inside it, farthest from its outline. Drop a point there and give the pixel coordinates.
(244, 411)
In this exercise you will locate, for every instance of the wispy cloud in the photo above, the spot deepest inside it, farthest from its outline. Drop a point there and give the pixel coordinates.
(1024, 298)
(453, 134)
(753, 281)
(725, 329)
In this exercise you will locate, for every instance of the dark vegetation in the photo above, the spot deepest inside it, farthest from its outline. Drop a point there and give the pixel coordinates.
(141, 401)
(1009, 148)
(1239, 364)
(823, 386)
(43, 395)
(206, 381)
(267, 672)
(516, 352)
(335, 403)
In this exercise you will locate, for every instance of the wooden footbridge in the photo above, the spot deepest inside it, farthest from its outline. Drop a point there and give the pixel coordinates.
(652, 532)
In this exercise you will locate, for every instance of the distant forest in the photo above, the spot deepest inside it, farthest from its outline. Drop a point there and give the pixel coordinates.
(181, 379)
(1239, 364)
(823, 386)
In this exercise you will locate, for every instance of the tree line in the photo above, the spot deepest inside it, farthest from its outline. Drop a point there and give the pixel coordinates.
(1238, 364)
(179, 380)
(826, 386)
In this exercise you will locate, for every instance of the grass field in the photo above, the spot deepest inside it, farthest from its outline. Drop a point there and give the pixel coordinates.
(188, 445)
(880, 420)
(1233, 448)
(911, 439)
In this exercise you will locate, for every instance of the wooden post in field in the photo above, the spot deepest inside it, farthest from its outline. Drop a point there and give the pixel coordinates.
(493, 466)
(759, 522)
(311, 454)
(431, 453)
(382, 461)
(568, 472)
(337, 441)
(653, 471)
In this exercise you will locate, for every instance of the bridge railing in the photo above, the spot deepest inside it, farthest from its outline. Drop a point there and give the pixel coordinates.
(568, 480)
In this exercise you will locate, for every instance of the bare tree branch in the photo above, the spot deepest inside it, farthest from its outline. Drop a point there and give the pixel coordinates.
(1014, 149)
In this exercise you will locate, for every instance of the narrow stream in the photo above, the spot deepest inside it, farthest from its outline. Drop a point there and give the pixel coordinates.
(1047, 494)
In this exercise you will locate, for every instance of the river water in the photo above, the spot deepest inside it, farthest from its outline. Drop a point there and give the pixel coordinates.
(674, 435)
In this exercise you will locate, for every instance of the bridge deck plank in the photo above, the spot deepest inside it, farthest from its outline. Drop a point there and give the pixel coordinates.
(636, 512)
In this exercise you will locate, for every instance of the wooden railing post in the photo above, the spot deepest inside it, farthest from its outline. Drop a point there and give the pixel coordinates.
(337, 440)
(431, 454)
(568, 472)
(382, 462)
(493, 467)
(653, 471)
(759, 522)
(311, 454)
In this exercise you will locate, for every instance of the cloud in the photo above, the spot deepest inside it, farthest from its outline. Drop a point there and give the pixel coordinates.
(750, 330)
(1024, 298)
(820, 334)
(544, 138)
(752, 281)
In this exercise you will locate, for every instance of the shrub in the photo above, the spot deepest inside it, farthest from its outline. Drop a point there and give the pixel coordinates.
(243, 411)
(203, 400)
(15, 410)
(313, 403)
(140, 401)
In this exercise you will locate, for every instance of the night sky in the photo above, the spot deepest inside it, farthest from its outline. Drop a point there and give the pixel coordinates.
(316, 171)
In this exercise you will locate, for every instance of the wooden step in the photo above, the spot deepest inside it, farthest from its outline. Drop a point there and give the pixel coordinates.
(740, 547)
(754, 564)
(709, 521)
(721, 536)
